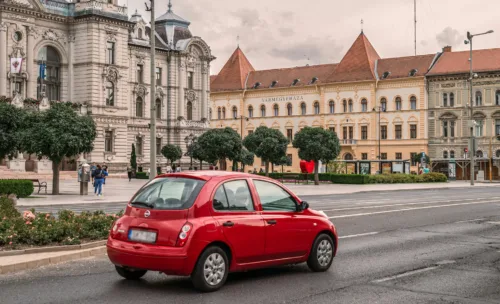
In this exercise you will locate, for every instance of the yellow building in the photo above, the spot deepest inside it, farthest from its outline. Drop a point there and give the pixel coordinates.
(368, 101)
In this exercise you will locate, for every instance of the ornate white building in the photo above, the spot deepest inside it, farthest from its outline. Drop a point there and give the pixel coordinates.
(97, 56)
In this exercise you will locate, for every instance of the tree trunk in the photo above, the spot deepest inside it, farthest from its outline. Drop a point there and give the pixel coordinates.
(55, 177)
(201, 165)
(267, 168)
(316, 171)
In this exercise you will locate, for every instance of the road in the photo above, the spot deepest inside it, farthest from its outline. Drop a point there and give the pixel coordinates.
(424, 246)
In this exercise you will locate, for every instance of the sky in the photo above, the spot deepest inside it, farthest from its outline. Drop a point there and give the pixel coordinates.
(288, 33)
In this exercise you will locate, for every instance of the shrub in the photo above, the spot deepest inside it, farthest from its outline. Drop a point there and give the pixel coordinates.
(407, 178)
(7, 208)
(350, 179)
(21, 188)
(141, 175)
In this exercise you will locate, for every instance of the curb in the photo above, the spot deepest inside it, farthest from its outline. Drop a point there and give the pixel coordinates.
(53, 249)
(16, 267)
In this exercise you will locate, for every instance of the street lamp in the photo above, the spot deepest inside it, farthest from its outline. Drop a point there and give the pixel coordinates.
(152, 152)
(189, 140)
(379, 109)
(471, 124)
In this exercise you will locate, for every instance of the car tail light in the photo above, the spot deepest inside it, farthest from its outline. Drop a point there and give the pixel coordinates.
(184, 234)
(117, 232)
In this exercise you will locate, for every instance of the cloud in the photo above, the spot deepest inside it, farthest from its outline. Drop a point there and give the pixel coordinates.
(449, 36)
(249, 17)
(317, 50)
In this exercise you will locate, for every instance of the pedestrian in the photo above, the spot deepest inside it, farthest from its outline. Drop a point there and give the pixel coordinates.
(105, 168)
(211, 167)
(254, 171)
(98, 175)
(92, 169)
(261, 170)
(129, 173)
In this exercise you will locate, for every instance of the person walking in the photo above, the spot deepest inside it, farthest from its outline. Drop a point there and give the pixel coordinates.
(92, 169)
(129, 173)
(105, 168)
(98, 175)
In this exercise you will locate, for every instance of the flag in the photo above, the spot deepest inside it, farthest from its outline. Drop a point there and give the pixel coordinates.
(42, 71)
(15, 65)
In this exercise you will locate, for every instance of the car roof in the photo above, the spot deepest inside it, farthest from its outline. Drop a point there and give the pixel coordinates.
(209, 174)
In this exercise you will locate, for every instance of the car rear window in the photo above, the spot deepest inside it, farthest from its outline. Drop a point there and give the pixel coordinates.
(168, 193)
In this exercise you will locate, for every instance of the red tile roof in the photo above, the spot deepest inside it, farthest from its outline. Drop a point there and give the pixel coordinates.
(458, 62)
(212, 78)
(234, 73)
(358, 63)
(400, 67)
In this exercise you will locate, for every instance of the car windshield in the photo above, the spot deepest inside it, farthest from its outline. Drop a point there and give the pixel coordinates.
(168, 193)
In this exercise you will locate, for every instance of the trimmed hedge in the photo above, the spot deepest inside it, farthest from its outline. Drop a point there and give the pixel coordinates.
(141, 175)
(21, 188)
(358, 179)
(432, 177)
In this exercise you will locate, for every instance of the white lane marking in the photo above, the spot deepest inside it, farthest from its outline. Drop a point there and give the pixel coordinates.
(494, 223)
(357, 235)
(383, 206)
(410, 209)
(406, 274)
(468, 221)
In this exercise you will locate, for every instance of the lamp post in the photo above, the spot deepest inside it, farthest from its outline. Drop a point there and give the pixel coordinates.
(379, 109)
(471, 124)
(152, 124)
(241, 123)
(189, 140)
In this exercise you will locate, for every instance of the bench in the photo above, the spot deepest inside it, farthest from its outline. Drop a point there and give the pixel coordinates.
(38, 184)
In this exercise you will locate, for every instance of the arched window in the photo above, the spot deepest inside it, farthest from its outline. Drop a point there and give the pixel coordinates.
(110, 94)
(479, 153)
(158, 108)
(479, 98)
(383, 104)
(303, 108)
(139, 33)
(219, 113)
(235, 112)
(223, 112)
(348, 156)
(139, 105)
(452, 100)
(364, 105)
(350, 105)
(398, 104)
(452, 154)
(316, 108)
(189, 110)
(344, 106)
(445, 154)
(250, 111)
(445, 99)
(276, 110)
(497, 98)
(289, 109)
(263, 111)
(332, 106)
(50, 57)
(413, 103)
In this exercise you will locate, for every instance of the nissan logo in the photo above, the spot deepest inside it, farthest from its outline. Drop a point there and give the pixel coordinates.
(147, 213)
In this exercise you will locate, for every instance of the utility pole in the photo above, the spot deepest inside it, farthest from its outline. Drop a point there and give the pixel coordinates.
(415, 17)
(152, 125)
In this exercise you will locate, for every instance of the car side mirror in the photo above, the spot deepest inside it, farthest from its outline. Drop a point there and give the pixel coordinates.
(304, 206)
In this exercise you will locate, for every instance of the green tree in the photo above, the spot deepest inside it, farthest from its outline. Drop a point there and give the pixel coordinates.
(171, 153)
(220, 144)
(11, 123)
(284, 161)
(57, 133)
(316, 144)
(246, 158)
(200, 155)
(133, 159)
(268, 144)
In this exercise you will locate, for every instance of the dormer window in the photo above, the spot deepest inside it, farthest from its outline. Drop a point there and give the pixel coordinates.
(413, 72)
(274, 83)
(385, 75)
(313, 80)
(295, 81)
(139, 33)
(256, 85)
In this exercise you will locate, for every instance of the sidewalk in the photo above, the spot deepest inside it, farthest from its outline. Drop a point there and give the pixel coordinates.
(121, 191)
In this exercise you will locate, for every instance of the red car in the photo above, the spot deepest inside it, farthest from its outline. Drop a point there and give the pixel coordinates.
(205, 224)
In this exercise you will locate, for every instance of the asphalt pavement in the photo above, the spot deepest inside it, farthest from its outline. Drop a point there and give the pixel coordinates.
(419, 246)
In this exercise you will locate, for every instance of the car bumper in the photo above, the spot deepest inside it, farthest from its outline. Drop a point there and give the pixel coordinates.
(170, 260)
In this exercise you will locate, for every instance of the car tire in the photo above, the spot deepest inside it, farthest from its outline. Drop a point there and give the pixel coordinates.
(130, 274)
(321, 256)
(211, 270)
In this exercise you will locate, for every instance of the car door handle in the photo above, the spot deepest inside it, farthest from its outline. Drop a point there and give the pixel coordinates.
(271, 222)
(228, 224)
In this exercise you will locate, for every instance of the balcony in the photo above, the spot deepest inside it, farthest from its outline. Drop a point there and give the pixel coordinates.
(348, 142)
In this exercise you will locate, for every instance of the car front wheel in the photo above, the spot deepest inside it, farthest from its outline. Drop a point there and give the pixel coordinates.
(211, 270)
(130, 274)
(321, 256)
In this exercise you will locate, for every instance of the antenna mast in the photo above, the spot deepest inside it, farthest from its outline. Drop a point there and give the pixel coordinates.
(415, 15)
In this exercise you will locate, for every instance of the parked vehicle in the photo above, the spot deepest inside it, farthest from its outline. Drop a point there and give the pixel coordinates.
(205, 224)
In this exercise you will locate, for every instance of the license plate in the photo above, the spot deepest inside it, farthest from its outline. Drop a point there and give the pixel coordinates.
(142, 236)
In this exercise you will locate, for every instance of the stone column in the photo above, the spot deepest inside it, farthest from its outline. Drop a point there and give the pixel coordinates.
(71, 40)
(182, 77)
(3, 59)
(30, 58)
(204, 94)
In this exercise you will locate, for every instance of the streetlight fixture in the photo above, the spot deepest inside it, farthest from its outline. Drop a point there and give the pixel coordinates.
(471, 124)
(189, 140)
(379, 109)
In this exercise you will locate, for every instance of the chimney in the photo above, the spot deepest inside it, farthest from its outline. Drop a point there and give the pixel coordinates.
(447, 49)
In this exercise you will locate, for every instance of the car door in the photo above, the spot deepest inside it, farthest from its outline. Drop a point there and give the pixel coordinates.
(242, 226)
(287, 231)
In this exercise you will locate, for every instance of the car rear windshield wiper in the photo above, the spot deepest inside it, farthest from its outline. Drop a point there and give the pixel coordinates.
(143, 204)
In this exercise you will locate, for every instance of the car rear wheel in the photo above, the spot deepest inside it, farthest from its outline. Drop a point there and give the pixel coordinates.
(321, 256)
(130, 274)
(211, 270)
